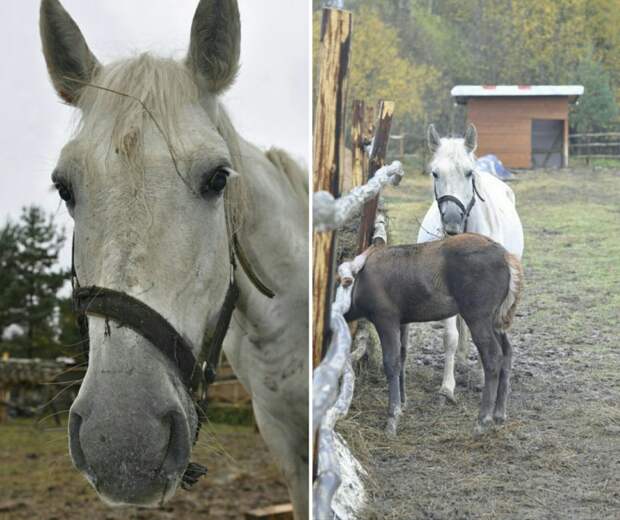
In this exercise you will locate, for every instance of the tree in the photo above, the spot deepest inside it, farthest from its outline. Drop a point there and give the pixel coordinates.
(33, 277)
(379, 71)
(8, 278)
(69, 338)
(597, 108)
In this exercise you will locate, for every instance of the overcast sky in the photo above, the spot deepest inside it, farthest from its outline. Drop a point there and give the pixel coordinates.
(269, 103)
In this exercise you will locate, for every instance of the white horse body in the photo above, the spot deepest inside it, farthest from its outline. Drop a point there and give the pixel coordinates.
(494, 214)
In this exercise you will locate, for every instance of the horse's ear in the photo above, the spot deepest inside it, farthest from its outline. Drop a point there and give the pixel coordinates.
(433, 138)
(215, 43)
(471, 138)
(70, 62)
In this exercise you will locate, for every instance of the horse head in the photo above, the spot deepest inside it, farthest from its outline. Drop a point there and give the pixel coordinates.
(453, 168)
(151, 180)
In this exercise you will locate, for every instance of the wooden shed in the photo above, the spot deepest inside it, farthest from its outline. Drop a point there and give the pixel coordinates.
(525, 126)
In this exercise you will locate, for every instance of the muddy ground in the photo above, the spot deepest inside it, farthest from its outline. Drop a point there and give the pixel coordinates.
(558, 456)
(37, 480)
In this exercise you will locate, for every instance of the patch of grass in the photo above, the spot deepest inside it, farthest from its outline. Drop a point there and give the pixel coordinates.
(231, 415)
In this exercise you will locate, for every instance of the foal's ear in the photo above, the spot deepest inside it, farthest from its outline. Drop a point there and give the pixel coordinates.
(215, 43)
(70, 62)
(471, 138)
(433, 138)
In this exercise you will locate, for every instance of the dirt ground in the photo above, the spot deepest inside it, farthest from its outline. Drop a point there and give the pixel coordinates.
(37, 480)
(558, 455)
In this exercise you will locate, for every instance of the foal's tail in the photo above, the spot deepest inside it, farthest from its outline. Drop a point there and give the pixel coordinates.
(507, 309)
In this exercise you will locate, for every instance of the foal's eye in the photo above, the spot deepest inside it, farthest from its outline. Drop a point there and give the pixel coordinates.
(469, 173)
(64, 192)
(435, 174)
(215, 182)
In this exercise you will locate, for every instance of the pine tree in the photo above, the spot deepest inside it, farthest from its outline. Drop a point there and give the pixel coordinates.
(597, 108)
(8, 277)
(34, 282)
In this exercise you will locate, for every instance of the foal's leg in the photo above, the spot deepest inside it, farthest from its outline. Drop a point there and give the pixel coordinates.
(492, 360)
(404, 334)
(450, 343)
(499, 415)
(389, 335)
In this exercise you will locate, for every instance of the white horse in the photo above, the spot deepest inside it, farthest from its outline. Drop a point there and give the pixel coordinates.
(466, 200)
(158, 182)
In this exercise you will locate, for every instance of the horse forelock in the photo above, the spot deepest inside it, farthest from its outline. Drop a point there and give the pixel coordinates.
(451, 152)
(165, 87)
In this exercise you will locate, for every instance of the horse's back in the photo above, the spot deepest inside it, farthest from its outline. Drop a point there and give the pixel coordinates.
(405, 281)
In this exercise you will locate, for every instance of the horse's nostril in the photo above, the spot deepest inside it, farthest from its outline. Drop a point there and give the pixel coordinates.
(75, 448)
(177, 455)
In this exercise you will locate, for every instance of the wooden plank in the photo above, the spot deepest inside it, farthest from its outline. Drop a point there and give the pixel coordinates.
(328, 159)
(225, 372)
(359, 136)
(4, 411)
(358, 160)
(375, 161)
(597, 134)
(277, 512)
(504, 142)
(369, 123)
(230, 392)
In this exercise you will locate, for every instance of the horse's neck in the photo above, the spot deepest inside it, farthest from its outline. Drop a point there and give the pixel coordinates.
(496, 216)
(274, 234)
(484, 217)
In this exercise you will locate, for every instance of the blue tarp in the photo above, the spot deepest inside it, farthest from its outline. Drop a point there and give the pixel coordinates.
(491, 164)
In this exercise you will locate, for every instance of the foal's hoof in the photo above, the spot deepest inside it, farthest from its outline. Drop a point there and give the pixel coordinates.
(446, 396)
(390, 427)
(482, 427)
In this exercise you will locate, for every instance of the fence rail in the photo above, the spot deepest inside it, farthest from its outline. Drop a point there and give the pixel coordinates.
(595, 145)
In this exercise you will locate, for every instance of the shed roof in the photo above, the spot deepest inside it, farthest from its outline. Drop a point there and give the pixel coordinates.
(463, 92)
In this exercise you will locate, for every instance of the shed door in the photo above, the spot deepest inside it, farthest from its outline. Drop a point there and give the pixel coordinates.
(547, 143)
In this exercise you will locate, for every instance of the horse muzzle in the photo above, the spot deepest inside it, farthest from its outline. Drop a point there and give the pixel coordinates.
(452, 219)
(139, 464)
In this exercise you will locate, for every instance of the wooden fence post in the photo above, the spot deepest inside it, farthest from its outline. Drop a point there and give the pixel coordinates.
(377, 159)
(328, 160)
(369, 123)
(358, 156)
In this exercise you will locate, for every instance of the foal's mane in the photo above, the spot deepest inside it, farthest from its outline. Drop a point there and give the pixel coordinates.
(148, 90)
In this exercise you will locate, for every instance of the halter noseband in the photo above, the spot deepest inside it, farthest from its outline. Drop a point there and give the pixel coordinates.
(465, 211)
(195, 373)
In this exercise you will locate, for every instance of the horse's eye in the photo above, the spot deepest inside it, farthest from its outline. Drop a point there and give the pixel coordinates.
(64, 192)
(434, 174)
(469, 173)
(215, 182)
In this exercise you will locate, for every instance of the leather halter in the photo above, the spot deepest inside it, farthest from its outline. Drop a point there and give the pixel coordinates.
(195, 373)
(465, 211)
